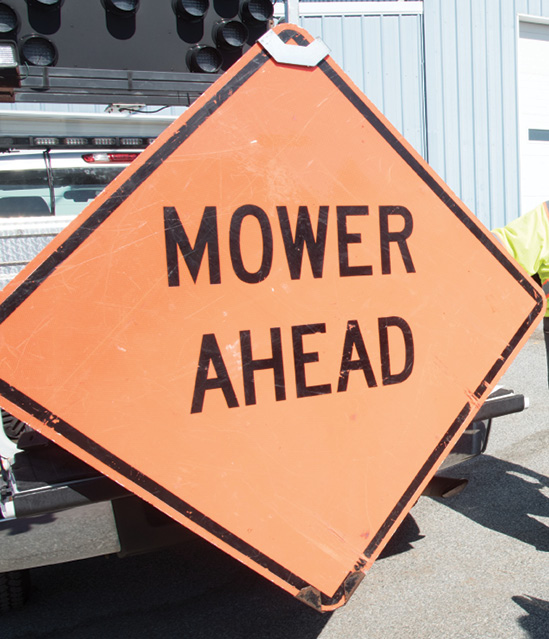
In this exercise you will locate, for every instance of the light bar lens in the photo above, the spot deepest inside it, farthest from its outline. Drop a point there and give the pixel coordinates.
(46, 4)
(76, 141)
(104, 141)
(230, 34)
(191, 9)
(44, 141)
(257, 11)
(203, 59)
(8, 56)
(8, 20)
(39, 52)
(131, 141)
(123, 7)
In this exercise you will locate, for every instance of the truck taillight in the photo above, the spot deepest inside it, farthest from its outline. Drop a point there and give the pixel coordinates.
(109, 158)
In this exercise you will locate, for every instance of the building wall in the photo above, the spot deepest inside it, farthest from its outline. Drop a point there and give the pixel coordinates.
(472, 100)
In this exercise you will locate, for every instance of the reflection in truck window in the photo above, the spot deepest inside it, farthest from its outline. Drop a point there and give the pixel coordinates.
(28, 188)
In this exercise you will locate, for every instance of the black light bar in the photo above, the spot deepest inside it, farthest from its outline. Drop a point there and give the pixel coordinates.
(105, 86)
(10, 143)
(108, 51)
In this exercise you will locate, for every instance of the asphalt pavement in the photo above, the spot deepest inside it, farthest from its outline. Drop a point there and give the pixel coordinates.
(473, 566)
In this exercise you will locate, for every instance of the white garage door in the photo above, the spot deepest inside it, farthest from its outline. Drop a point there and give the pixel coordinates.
(533, 84)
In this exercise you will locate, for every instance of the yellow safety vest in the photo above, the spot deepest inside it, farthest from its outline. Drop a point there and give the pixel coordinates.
(527, 239)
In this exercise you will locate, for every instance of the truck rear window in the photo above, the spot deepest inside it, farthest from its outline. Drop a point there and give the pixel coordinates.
(26, 192)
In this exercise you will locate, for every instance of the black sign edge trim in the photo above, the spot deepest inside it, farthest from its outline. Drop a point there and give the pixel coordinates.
(37, 277)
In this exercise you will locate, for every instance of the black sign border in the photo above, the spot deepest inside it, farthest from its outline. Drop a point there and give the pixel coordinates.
(142, 173)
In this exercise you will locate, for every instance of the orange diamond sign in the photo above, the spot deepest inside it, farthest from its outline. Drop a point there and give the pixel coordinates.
(272, 326)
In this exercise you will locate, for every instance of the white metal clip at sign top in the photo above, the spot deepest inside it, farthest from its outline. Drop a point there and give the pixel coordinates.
(284, 53)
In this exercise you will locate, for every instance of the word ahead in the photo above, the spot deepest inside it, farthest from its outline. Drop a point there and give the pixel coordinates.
(294, 243)
(210, 354)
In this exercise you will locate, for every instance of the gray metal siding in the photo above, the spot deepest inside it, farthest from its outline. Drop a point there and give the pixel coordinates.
(472, 97)
(355, 0)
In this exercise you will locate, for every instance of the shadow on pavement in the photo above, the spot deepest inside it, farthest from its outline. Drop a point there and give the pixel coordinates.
(192, 591)
(13, 527)
(507, 498)
(405, 535)
(536, 622)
